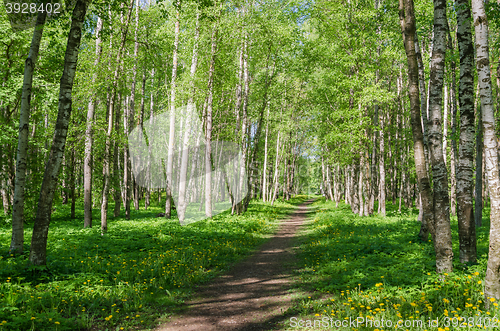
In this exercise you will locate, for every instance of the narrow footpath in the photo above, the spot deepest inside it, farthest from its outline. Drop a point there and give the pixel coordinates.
(253, 295)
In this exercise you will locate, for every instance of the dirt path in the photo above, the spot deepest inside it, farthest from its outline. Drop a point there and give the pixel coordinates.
(253, 295)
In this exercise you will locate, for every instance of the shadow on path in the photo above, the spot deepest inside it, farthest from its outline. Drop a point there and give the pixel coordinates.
(253, 295)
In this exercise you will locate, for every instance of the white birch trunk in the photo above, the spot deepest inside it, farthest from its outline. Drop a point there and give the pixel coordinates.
(244, 131)
(208, 132)
(407, 21)
(182, 201)
(264, 175)
(16, 245)
(89, 141)
(171, 137)
(381, 165)
(445, 125)
(465, 162)
(111, 111)
(492, 281)
(442, 237)
(38, 251)
(275, 179)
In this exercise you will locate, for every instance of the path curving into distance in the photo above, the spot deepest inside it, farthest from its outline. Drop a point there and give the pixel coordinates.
(253, 295)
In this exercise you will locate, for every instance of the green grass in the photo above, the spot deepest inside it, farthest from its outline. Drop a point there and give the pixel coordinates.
(375, 267)
(143, 269)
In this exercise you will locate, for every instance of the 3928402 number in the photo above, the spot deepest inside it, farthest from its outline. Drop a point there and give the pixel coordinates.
(32, 8)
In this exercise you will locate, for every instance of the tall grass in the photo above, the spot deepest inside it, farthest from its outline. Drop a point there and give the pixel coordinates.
(375, 268)
(141, 270)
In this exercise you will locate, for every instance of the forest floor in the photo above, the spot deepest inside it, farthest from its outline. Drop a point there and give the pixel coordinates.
(344, 272)
(133, 278)
(254, 294)
(290, 266)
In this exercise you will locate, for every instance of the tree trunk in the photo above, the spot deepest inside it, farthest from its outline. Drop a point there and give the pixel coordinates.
(338, 193)
(237, 107)
(445, 125)
(182, 201)
(87, 163)
(64, 186)
(401, 185)
(465, 162)
(349, 185)
(16, 245)
(128, 182)
(170, 158)
(355, 203)
(359, 181)
(152, 119)
(38, 251)
(397, 141)
(72, 181)
(141, 123)
(442, 237)
(240, 207)
(498, 82)
(264, 174)
(111, 113)
(106, 168)
(478, 212)
(208, 128)
(127, 167)
(492, 284)
(423, 97)
(373, 183)
(328, 185)
(323, 179)
(176, 177)
(275, 180)
(407, 20)
(5, 197)
(345, 184)
(366, 189)
(195, 165)
(454, 148)
(381, 165)
(116, 167)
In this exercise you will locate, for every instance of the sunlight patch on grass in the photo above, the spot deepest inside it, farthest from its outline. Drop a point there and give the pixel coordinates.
(376, 267)
(141, 269)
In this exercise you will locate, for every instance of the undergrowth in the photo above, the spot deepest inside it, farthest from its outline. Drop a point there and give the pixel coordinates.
(141, 270)
(374, 269)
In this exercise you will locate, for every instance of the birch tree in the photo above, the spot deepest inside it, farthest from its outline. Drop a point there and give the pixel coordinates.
(478, 212)
(38, 250)
(171, 137)
(442, 228)
(208, 125)
(465, 162)
(87, 163)
(182, 201)
(264, 172)
(16, 245)
(111, 114)
(492, 283)
(407, 21)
